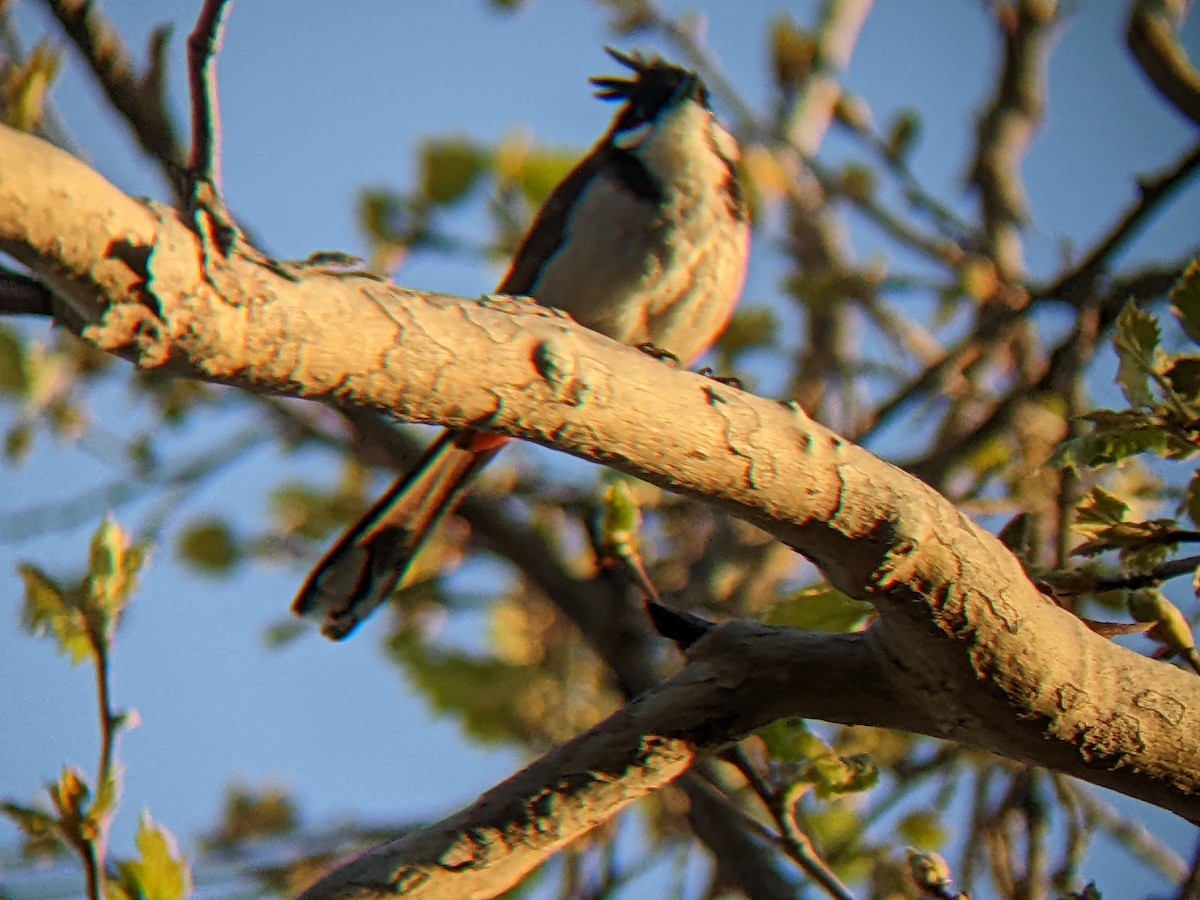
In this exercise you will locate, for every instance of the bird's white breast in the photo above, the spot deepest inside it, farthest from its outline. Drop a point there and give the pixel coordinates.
(666, 274)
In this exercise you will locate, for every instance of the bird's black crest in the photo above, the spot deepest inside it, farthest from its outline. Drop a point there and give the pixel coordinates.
(656, 84)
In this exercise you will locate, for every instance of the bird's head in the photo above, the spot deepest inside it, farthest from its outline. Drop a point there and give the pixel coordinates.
(666, 121)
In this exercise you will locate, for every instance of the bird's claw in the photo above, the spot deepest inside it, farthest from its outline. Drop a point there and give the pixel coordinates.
(659, 353)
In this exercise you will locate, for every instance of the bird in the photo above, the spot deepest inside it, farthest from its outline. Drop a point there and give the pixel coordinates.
(646, 241)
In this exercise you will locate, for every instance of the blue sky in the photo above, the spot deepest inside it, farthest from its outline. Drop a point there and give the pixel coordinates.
(317, 106)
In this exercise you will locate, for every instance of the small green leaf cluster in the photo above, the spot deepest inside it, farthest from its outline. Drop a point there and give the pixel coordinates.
(81, 616)
(1162, 422)
(450, 170)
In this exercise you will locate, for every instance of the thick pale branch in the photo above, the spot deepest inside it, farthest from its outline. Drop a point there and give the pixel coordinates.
(974, 652)
(722, 694)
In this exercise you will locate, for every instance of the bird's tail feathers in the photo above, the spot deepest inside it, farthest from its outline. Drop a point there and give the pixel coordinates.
(363, 568)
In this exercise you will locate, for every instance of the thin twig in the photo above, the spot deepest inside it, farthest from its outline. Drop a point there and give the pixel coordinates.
(938, 249)
(797, 845)
(949, 223)
(1153, 39)
(742, 860)
(1190, 889)
(93, 848)
(203, 44)
(1164, 571)
(1140, 285)
(1037, 833)
(805, 125)
(1078, 835)
(1062, 358)
(1136, 838)
(141, 102)
(108, 739)
(939, 765)
(1006, 128)
(745, 820)
(50, 125)
(21, 524)
(1075, 286)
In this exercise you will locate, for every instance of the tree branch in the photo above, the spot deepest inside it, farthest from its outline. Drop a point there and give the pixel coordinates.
(1007, 126)
(716, 698)
(203, 44)
(20, 294)
(965, 648)
(1153, 40)
(141, 101)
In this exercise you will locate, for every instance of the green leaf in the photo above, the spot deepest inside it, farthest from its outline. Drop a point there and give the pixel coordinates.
(209, 546)
(924, 830)
(285, 632)
(857, 181)
(1185, 301)
(793, 52)
(142, 454)
(25, 86)
(1146, 553)
(482, 693)
(383, 214)
(450, 167)
(1136, 340)
(791, 742)
(621, 518)
(303, 511)
(990, 456)
(160, 871)
(1132, 538)
(1192, 499)
(931, 874)
(751, 328)
(542, 171)
(1099, 510)
(253, 814)
(1109, 446)
(68, 419)
(821, 608)
(14, 365)
(903, 135)
(831, 774)
(113, 566)
(48, 609)
(174, 397)
(1145, 605)
(787, 741)
(1171, 626)
(39, 828)
(842, 825)
(18, 442)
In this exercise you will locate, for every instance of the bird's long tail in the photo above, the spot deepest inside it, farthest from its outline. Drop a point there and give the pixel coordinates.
(362, 569)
